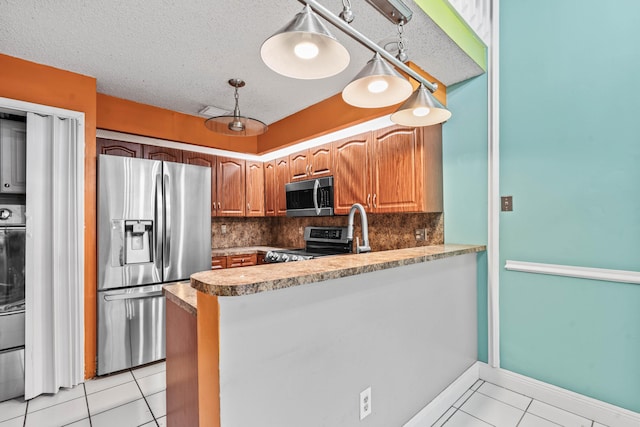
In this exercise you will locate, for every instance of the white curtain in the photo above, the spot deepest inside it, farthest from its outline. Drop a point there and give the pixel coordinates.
(54, 271)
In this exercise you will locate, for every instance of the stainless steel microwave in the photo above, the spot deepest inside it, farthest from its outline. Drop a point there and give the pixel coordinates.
(313, 197)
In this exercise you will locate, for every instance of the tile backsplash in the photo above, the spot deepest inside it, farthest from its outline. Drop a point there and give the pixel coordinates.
(386, 231)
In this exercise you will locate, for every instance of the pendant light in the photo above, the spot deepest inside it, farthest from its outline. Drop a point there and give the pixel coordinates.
(236, 125)
(377, 85)
(305, 49)
(421, 109)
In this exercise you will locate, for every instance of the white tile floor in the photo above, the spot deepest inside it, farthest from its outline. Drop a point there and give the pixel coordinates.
(486, 404)
(128, 399)
(138, 398)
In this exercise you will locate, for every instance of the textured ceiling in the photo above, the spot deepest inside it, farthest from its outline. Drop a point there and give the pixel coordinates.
(179, 54)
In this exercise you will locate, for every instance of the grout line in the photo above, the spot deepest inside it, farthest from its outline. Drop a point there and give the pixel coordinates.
(87, 402)
(525, 411)
(145, 400)
(452, 414)
(465, 401)
(26, 411)
(471, 415)
(113, 386)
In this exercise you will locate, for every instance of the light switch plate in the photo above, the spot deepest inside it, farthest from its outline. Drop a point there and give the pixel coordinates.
(506, 203)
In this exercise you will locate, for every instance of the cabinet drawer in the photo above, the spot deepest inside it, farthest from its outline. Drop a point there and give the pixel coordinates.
(243, 260)
(218, 262)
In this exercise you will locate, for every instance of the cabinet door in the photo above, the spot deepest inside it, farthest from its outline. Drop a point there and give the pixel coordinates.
(207, 160)
(13, 156)
(397, 170)
(255, 189)
(218, 262)
(243, 260)
(351, 173)
(299, 166)
(320, 161)
(231, 186)
(282, 178)
(270, 195)
(118, 148)
(162, 153)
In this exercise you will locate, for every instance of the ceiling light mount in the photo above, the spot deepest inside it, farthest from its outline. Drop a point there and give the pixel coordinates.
(237, 124)
(394, 10)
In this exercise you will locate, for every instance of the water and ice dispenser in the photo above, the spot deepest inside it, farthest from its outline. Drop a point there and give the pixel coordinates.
(131, 242)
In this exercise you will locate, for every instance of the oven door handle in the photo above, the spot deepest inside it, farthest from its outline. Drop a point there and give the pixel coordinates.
(316, 186)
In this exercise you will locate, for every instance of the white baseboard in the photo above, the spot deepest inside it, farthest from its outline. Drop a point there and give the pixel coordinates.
(587, 407)
(593, 409)
(438, 406)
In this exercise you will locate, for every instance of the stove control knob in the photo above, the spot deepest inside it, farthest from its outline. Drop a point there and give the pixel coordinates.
(5, 214)
(294, 258)
(285, 258)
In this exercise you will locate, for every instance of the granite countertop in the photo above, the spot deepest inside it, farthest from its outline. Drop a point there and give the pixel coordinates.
(269, 277)
(242, 250)
(183, 295)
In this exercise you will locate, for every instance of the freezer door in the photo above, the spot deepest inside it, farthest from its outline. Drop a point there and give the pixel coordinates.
(131, 329)
(187, 245)
(130, 222)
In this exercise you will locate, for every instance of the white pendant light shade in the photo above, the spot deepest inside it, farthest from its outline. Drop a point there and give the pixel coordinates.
(377, 85)
(421, 109)
(305, 49)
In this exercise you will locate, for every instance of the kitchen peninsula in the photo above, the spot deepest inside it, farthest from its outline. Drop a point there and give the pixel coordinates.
(295, 343)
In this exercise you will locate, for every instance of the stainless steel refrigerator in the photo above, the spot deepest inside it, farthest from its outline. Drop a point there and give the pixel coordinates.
(154, 226)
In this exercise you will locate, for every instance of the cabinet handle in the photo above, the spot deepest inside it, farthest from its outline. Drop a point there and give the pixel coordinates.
(368, 199)
(374, 200)
(248, 207)
(307, 170)
(218, 205)
(6, 185)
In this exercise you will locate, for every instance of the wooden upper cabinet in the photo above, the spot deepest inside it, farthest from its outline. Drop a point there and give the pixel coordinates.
(162, 153)
(396, 169)
(118, 148)
(320, 161)
(406, 169)
(282, 178)
(299, 165)
(255, 189)
(311, 163)
(207, 160)
(351, 173)
(270, 195)
(231, 186)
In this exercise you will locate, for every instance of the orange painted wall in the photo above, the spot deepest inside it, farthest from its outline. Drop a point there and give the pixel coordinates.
(328, 116)
(121, 115)
(40, 84)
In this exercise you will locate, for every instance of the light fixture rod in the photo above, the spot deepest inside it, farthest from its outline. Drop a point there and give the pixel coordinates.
(364, 40)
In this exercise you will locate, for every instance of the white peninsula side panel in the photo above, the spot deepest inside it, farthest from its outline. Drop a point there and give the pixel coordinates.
(301, 356)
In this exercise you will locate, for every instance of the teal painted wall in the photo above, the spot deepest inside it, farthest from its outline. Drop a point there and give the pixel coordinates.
(570, 157)
(465, 181)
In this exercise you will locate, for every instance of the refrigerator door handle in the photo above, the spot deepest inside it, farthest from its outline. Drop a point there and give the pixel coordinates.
(125, 296)
(166, 255)
(157, 256)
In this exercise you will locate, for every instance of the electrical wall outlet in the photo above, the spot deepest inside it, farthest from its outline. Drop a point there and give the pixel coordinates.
(421, 234)
(223, 229)
(365, 403)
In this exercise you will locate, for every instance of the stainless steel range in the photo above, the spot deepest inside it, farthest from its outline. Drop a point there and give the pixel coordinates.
(319, 241)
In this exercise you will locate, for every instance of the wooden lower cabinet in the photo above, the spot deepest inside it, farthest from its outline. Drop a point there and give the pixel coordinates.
(242, 260)
(182, 366)
(218, 262)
